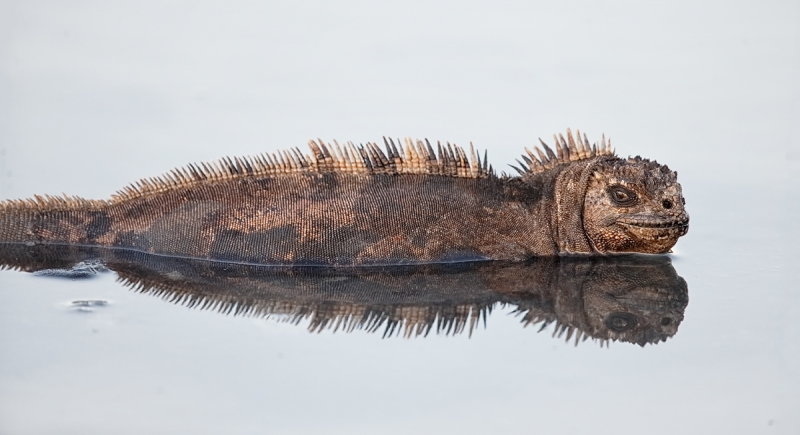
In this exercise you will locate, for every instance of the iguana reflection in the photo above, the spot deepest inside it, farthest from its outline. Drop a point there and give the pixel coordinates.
(632, 298)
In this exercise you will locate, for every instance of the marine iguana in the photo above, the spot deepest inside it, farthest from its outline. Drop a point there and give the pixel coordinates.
(631, 298)
(355, 204)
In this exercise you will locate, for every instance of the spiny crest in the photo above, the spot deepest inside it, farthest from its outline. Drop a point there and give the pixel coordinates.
(533, 317)
(410, 320)
(567, 150)
(406, 320)
(417, 157)
(52, 203)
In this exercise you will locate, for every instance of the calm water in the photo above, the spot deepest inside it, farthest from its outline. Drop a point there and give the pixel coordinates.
(93, 97)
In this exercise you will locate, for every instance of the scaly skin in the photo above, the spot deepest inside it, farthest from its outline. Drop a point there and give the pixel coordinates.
(361, 206)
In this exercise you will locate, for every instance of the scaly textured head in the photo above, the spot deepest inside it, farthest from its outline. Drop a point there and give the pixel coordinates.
(634, 205)
(607, 204)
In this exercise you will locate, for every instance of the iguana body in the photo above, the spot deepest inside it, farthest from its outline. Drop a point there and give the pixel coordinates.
(357, 205)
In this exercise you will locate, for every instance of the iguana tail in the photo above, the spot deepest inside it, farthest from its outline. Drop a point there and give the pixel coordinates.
(49, 219)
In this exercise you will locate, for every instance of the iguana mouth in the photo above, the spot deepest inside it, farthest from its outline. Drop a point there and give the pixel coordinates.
(655, 222)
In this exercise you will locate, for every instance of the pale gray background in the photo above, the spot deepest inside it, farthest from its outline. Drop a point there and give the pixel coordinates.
(94, 95)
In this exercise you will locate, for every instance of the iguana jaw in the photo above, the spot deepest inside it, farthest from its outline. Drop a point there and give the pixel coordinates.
(659, 234)
(656, 222)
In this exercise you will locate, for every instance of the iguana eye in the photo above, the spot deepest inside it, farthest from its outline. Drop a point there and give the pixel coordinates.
(622, 197)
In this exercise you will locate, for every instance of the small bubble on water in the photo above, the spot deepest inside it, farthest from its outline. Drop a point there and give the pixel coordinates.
(89, 303)
(86, 305)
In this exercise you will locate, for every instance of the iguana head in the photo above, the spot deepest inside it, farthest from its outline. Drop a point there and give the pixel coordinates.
(604, 203)
(633, 205)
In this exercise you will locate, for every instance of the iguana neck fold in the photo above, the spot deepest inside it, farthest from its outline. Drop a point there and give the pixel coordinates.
(570, 190)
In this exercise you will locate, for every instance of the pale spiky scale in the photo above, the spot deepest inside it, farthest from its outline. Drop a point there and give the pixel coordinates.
(354, 157)
(296, 166)
(475, 163)
(410, 154)
(453, 160)
(550, 154)
(384, 161)
(315, 150)
(416, 157)
(580, 147)
(560, 144)
(337, 156)
(343, 162)
(431, 154)
(284, 165)
(360, 154)
(326, 152)
(523, 168)
(420, 149)
(351, 156)
(536, 165)
(542, 157)
(574, 153)
(531, 155)
(463, 163)
(560, 150)
(555, 145)
(288, 161)
(372, 159)
(401, 150)
(300, 157)
(587, 146)
(442, 156)
(362, 161)
(449, 160)
(561, 141)
(428, 161)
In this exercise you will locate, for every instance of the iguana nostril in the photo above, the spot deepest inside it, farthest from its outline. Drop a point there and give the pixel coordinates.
(667, 203)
